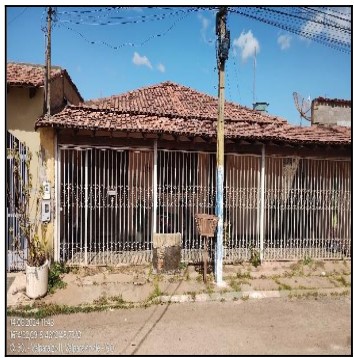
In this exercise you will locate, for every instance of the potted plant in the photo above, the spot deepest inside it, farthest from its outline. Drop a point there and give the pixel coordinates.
(29, 231)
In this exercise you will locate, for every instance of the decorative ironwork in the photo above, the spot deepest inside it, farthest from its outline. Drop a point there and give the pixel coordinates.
(106, 203)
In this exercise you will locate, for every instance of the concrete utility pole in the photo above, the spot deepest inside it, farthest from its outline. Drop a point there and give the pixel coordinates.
(223, 51)
(48, 61)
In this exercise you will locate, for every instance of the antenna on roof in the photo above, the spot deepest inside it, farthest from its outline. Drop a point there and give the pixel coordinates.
(303, 106)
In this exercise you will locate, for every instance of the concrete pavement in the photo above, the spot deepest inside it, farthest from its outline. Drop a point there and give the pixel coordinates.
(138, 285)
(281, 326)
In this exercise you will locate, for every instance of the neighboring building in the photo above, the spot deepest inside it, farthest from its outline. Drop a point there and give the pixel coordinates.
(24, 104)
(328, 111)
(142, 162)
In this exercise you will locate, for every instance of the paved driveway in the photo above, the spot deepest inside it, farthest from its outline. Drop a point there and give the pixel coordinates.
(279, 326)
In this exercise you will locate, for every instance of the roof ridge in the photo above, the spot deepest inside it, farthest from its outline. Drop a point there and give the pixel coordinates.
(55, 67)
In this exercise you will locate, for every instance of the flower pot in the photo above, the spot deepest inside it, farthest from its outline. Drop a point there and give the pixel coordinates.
(37, 280)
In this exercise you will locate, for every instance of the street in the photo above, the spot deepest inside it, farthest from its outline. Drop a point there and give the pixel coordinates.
(257, 327)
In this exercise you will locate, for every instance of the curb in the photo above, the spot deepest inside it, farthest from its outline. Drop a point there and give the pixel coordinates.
(232, 296)
(204, 297)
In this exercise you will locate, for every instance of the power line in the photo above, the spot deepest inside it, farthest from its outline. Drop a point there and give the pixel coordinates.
(17, 16)
(131, 44)
(118, 19)
(320, 33)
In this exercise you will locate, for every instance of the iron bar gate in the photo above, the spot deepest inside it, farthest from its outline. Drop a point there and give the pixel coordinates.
(105, 204)
(302, 207)
(185, 187)
(308, 208)
(15, 256)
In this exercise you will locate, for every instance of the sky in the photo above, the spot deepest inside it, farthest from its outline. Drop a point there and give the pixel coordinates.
(154, 45)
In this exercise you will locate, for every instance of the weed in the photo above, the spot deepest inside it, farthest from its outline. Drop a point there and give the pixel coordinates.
(182, 266)
(117, 299)
(245, 298)
(245, 275)
(222, 299)
(209, 289)
(155, 293)
(296, 266)
(282, 286)
(338, 294)
(150, 271)
(187, 276)
(46, 310)
(173, 279)
(235, 285)
(95, 283)
(55, 281)
(110, 269)
(307, 261)
(73, 269)
(342, 281)
(102, 300)
(255, 256)
(193, 295)
(199, 278)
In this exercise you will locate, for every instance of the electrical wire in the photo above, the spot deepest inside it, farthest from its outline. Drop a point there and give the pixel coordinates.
(17, 16)
(118, 19)
(324, 34)
(131, 44)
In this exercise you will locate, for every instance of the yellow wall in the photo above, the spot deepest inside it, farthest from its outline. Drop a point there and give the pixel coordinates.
(21, 115)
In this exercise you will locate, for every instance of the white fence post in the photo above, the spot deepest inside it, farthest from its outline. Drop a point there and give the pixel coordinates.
(154, 211)
(261, 218)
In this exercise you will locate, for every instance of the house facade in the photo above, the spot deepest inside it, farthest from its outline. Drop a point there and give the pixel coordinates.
(128, 166)
(24, 104)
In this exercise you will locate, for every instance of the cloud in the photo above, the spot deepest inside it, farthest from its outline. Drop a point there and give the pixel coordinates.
(141, 60)
(161, 68)
(205, 22)
(247, 43)
(284, 41)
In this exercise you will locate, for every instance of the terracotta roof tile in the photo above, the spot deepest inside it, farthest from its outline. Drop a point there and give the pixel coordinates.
(32, 75)
(175, 109)
(174, 100)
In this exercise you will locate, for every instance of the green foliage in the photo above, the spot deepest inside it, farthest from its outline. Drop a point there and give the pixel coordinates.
(19, 203)
(307, 261)
(234, 284)
(55, 281)
(155, 293)
(255, 256)
(182, 265)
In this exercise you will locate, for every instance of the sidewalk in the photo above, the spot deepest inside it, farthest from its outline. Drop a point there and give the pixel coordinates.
(138, 284)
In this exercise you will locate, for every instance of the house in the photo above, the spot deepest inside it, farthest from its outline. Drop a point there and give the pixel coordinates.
(24, 104)
(328, 111)
(130, 165)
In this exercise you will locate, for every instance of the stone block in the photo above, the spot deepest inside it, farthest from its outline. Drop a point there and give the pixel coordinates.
(166, 252)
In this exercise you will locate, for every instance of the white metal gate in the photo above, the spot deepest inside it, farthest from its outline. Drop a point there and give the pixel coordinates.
(307, 208)
(105, 204)
(286, 208)
(185, 187)
(16, 256)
